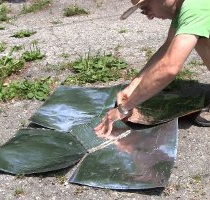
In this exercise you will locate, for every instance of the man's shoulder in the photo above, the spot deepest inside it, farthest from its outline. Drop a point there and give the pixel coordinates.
(193, 18)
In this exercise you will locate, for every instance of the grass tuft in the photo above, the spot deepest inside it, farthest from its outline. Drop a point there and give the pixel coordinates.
(38, 89)
(9, 65)
(97, 68)
(36, 6)
(18, 191)
(2, 46)
(23, 33)
(148, 52)
(33, 54)
(3, 13)
(74, 10)
(2, 28)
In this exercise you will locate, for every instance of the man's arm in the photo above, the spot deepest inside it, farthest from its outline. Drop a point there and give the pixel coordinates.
(203, 49)
(161, 70)
(157, 74)
(124, 94)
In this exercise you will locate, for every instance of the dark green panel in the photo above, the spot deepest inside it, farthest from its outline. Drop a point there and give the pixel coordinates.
(167, 106)
(37, 150)
(143, 159)
(69, 106)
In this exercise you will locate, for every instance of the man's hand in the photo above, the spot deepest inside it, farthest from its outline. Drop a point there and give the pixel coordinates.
(105, 128)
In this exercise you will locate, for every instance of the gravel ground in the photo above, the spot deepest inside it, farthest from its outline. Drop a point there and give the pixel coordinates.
(100, 30)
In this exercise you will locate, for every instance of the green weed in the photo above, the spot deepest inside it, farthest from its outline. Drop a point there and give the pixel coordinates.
(184, 74)
(118, 47)
(131, 73)
(37, 89)
(2, 28)
(18, 191)
(65, 55)
(33, 54)
(122, 30)
(197, 178)
(56, 22)
(60, 178)
(3, 13)
(74, 10)
(20, 176)
(99, 3)
(17, 48)
(91, 69)
(2, 46)
(23, 33)
(9, 65)
(195, 63)
(148, 52)
(36, 6)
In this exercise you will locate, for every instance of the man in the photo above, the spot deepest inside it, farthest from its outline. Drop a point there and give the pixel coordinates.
(190, 28)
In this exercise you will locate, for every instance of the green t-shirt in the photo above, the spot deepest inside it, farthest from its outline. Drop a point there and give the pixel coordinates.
(193, 18)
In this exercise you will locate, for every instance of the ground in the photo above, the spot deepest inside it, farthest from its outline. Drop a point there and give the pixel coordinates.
(99, 30)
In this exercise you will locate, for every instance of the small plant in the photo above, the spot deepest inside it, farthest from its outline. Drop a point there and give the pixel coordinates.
(2, 28)
(197, 178)
(37, 89)
(122, 30)
(9, 65)
(183, 75)
(99, 3)
(96, 68)
(74, 10)
(36, 6)
(60, 178)
(2, 46)
(17, 47)
(23, 123)
(56, 22)
(33, 54)
(131, 73)
(18, 191)
(23, 33)
(20, 176)
(195, 63)
(3, 13)
(117, 48)
(148, 52)
(65, 55)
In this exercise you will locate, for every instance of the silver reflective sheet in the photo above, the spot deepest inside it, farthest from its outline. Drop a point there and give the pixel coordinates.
(69, 106)
(72, 106)
(142, 160)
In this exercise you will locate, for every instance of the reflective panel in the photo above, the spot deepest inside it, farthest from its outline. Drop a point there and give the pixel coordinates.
(36, 150)
(132, 157)
(70, 106)
(87, 137)
(166, 106)
(141, 160)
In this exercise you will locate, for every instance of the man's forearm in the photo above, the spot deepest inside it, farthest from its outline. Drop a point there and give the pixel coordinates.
(160, 71)
(154, 59)
(150, 82)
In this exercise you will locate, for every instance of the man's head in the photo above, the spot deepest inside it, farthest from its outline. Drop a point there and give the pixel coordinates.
(164, 9)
